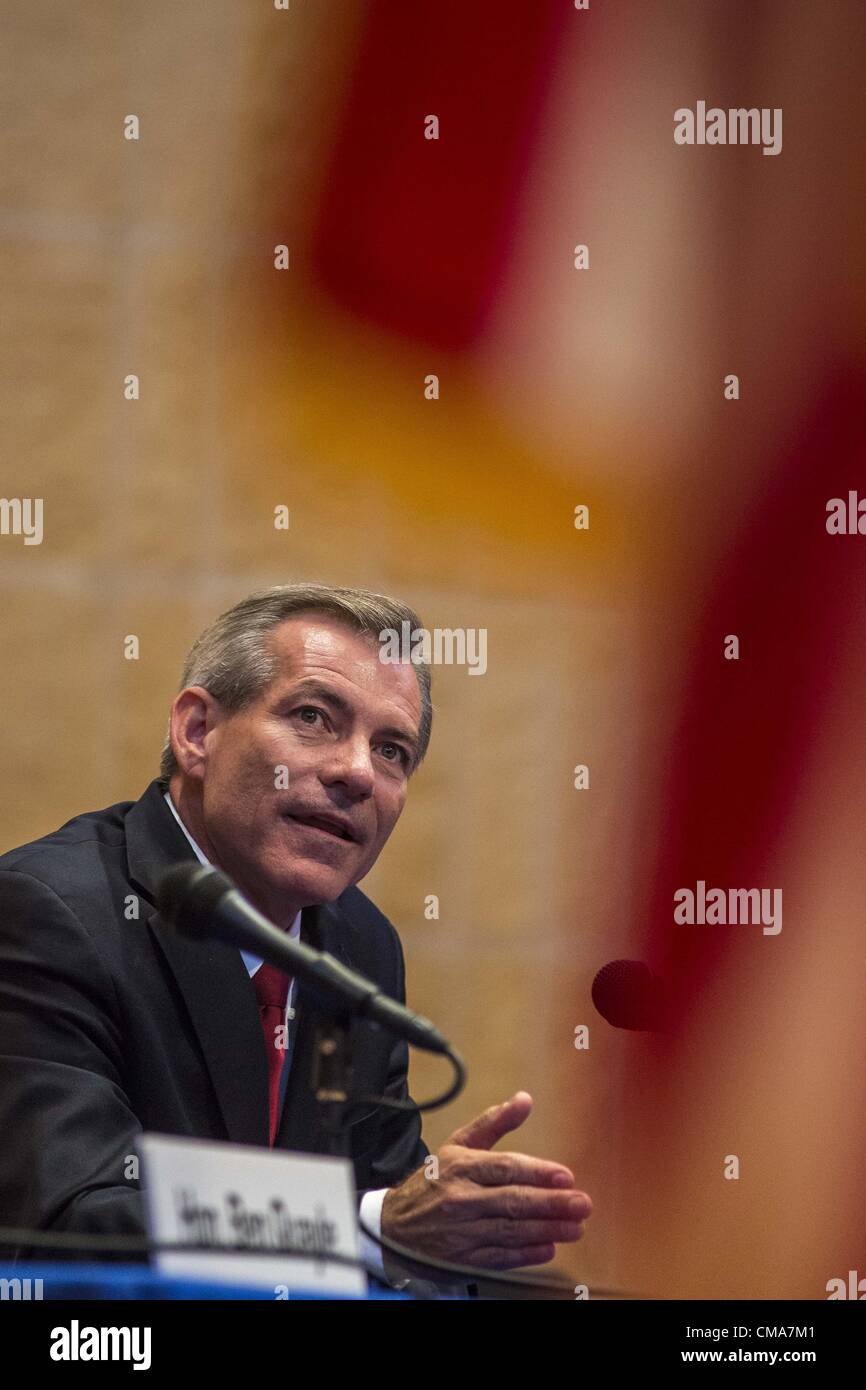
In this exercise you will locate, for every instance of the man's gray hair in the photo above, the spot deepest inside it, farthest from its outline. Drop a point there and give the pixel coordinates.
(234, 657)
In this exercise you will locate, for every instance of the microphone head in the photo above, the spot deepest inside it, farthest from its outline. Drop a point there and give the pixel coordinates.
(629, 995)
(187, 895)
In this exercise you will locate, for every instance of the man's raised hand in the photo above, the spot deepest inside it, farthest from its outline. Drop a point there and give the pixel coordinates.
(491, 1210)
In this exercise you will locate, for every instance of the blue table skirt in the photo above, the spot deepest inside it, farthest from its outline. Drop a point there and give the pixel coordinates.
(67, 1280)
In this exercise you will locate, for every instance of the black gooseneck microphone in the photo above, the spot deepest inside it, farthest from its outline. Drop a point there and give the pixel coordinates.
(201, 902)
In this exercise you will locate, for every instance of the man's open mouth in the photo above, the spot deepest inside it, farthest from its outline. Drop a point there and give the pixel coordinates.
(329, 824)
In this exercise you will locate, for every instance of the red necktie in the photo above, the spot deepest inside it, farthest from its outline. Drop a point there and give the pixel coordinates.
(272, 991)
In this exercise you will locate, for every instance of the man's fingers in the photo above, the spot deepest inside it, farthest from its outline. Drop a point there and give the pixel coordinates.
(512, 1235)
(502, 1168)
(516, 1204)
(484, 1131)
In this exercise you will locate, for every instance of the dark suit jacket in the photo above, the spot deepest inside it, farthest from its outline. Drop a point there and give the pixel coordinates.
(111, 1024)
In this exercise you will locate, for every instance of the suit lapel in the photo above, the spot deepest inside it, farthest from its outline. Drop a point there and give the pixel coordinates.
(222, 1006)
(210, 976)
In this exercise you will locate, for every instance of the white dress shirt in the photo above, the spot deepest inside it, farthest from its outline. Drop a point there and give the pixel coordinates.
(371, 1202)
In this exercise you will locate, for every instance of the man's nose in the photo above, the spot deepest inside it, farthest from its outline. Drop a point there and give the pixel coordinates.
(350, 763)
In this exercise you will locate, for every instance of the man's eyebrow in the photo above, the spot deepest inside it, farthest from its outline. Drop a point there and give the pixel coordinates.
(309, 685)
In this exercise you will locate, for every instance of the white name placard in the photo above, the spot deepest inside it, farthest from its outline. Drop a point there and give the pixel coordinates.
(252, 1200)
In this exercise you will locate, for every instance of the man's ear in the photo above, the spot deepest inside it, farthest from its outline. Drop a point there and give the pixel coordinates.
(194, 713)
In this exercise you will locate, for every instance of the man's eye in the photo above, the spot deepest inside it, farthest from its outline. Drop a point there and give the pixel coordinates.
(309, 709)
(402, 755)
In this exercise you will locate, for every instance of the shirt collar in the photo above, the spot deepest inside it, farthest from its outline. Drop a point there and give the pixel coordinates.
(250, 961)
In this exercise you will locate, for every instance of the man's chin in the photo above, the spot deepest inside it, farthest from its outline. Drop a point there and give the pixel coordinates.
(284, 879)
(312, 886)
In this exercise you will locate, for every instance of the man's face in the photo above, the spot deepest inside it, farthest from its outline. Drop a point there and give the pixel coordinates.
(344, 727)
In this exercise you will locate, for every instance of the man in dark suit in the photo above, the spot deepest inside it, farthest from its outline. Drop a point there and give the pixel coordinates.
(290, 748)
